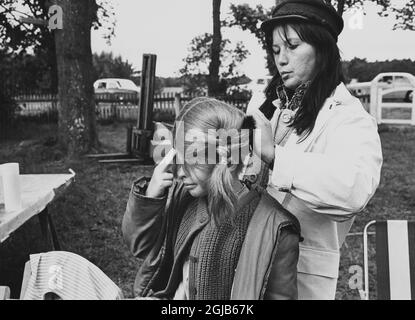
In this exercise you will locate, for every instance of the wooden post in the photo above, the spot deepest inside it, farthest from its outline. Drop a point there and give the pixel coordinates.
(143, 132)
(413, 108)
(177, 104)
(129, 139)
(148, 79)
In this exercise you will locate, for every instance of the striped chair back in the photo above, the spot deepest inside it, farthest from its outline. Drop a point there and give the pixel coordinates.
(395, 259)
(63, 275)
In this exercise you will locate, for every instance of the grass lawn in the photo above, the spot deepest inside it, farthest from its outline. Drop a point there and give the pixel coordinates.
(88, 216)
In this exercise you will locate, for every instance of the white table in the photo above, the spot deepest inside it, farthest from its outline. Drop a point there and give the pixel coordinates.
(38, 190)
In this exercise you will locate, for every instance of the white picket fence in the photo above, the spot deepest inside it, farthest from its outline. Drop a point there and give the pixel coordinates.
(365, 100)
(35, 105)
(109, 107)
(106, 111)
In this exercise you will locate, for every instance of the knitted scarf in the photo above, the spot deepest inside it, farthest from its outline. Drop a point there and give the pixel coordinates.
(214, 254)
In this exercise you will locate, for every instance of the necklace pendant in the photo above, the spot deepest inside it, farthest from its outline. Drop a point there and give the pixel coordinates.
(286, 116)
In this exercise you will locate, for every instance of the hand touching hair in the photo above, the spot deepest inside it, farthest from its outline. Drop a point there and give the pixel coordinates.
(227, 130)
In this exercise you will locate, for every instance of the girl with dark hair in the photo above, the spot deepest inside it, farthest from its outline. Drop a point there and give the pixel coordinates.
(196, 230)
(321, 147)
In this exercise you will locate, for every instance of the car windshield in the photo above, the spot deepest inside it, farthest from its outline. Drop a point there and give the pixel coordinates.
(127, 84)
(113, 85)
(403, 81)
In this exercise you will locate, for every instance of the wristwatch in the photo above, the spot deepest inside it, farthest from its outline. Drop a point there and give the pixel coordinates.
(141, 184)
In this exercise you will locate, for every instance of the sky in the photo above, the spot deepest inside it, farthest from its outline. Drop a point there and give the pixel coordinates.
(166, 27)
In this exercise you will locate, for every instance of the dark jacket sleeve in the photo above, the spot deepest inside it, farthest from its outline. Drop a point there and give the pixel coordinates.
(142, 222)
(282, 281)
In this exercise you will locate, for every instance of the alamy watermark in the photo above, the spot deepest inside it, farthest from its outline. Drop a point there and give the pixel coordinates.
(356, 280)
(222, 146)
(55, 17)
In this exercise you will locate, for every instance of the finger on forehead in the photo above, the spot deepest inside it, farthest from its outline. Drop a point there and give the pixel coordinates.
(168, 159)
(167, 176)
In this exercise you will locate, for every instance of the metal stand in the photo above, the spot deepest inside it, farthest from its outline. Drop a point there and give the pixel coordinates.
(139, 137)
(46, 226)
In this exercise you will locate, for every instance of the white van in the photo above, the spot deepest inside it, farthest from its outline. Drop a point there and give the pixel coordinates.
(115, 85)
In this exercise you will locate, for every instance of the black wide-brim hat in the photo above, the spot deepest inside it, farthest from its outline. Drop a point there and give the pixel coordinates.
(316, 11)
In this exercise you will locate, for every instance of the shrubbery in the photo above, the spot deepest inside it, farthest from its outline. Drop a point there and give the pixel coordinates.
(7, 114)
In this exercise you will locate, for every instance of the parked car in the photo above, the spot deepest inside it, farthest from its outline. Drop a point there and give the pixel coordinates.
(359, 88)
(398, 96)
(115, 85)
(259, 84)
(409, 97)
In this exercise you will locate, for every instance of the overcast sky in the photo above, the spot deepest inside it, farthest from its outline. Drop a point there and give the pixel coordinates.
(166, 27)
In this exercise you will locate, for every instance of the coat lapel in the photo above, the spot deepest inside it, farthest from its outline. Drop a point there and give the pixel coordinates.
(341, 96)
(274, 119)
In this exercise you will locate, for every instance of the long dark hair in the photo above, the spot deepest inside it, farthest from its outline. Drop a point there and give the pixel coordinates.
(328, 75)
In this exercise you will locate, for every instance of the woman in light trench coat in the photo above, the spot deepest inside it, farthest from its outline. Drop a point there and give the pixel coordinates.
(322, 147)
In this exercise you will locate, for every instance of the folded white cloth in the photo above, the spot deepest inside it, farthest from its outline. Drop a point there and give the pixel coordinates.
(68, 276)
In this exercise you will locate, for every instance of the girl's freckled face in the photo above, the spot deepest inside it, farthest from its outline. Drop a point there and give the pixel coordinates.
(196, 181)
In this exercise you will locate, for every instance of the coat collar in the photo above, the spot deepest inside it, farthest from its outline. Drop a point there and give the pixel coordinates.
(340, 96)
(202, 214)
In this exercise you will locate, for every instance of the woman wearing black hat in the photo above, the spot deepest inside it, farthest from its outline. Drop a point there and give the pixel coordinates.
(321, 146)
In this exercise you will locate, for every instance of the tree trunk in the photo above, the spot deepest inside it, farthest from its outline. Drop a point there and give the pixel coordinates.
(213, 79)
(77, 123)
(340, 7)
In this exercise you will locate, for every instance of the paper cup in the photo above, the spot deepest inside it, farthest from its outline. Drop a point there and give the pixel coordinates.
(11, 186)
